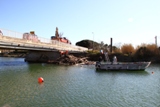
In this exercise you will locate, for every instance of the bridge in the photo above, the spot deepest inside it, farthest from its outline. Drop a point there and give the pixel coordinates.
(44, 47)
(14, 40)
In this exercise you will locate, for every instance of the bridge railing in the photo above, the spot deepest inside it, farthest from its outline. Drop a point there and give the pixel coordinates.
(19, 35)
(10, 35)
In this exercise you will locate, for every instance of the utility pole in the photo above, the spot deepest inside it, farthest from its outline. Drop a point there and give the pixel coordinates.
(111, 46)
(156, 40)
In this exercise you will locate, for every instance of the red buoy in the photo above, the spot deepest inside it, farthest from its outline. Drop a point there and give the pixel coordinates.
(40, 80)
(152, 72)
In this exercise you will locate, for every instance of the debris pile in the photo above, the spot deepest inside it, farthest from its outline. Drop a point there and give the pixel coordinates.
(71, 60)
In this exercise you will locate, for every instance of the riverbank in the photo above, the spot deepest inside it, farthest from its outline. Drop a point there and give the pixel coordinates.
(85, 58)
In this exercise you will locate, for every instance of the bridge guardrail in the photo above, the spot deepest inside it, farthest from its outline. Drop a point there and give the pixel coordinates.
(18, 38)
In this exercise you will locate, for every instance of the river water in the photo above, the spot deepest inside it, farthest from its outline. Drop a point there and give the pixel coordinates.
(76, 86)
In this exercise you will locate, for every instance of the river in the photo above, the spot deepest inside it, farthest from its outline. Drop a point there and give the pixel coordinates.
(76, 86)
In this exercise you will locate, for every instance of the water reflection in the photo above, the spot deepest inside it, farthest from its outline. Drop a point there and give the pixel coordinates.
(124, 72)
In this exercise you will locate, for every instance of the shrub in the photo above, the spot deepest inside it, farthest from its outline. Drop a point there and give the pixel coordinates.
(152, 49)
(146, 51)
(127, 49)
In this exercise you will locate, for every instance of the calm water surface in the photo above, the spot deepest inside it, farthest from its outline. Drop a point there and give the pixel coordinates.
(76, 86)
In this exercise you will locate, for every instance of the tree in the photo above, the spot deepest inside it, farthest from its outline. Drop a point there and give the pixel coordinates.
(102, 45)
(88, 44)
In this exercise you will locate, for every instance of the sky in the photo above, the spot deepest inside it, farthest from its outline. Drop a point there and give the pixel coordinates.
(126, 21)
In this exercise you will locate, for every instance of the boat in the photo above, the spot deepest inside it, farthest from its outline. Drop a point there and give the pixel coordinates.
(129, 66)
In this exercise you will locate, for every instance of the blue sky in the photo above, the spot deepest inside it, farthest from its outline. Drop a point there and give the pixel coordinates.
(126, 21)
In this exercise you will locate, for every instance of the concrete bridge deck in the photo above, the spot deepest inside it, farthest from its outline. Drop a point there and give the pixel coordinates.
(13, 40)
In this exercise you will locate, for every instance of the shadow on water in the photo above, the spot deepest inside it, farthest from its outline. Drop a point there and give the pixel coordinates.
(44, 67)
(124, 72)
(38, 67)
(11, 63)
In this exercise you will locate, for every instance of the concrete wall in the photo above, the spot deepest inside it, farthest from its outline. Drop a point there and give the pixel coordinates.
(41, 56)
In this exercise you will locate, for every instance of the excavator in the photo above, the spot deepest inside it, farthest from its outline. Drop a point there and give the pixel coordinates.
(59, 38)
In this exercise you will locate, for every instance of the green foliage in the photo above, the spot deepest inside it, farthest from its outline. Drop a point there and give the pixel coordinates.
(96, 46)
(88, 44)
(94, 55)
(94, 52)
(144, 52)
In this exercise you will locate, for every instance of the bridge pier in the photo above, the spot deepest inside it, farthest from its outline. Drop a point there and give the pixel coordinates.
(41, 56)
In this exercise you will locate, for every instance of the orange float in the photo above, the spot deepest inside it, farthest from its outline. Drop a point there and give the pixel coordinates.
(40, 80)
